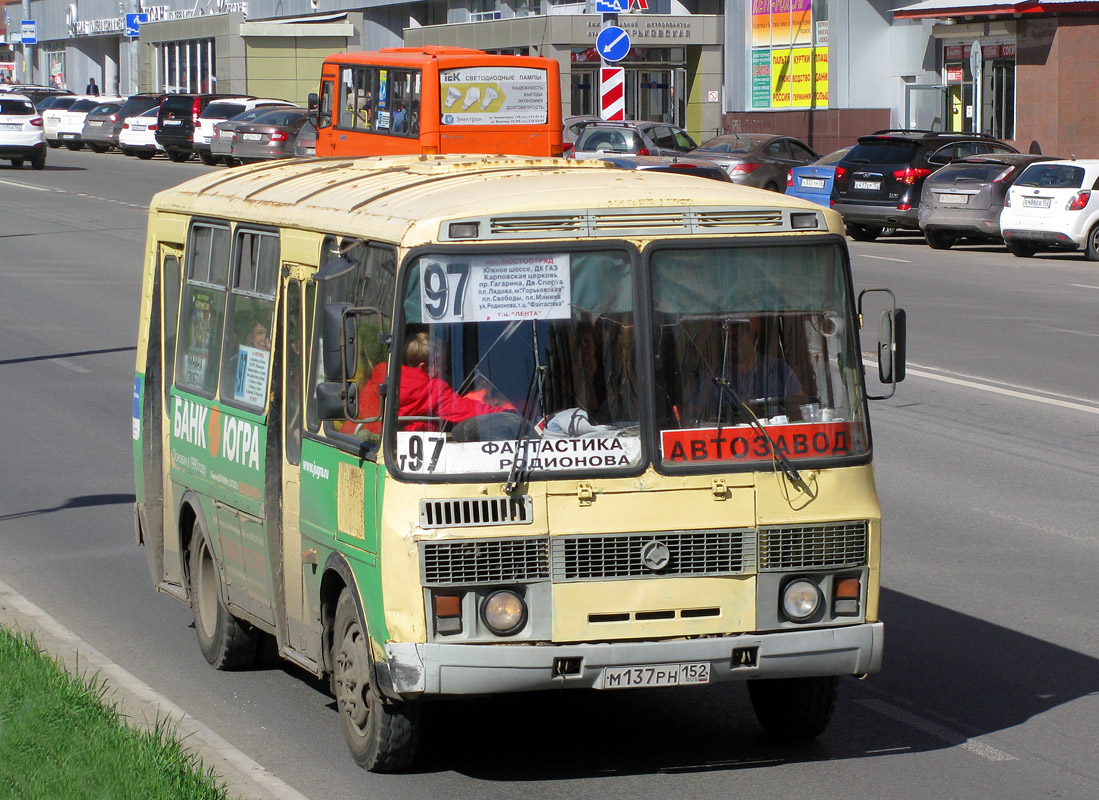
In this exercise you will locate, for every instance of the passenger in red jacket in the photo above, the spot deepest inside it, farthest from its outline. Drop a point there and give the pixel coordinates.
(423, 395)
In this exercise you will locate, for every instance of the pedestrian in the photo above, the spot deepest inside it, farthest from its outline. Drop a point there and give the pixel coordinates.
(92, 89)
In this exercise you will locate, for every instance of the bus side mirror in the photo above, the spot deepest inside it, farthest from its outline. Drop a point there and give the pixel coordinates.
(312, 101)
(336, 400)
(892, 342)
(341, 342)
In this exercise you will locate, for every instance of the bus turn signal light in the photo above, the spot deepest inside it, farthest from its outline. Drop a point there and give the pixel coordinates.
(845, 596)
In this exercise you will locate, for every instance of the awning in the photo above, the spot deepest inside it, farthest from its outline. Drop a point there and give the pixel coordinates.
(943, 9)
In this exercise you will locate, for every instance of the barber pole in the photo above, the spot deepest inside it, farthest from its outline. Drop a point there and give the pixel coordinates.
(612, 93)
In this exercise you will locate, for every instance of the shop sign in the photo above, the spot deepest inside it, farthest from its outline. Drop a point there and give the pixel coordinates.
(96, 27)
(647, 28)
(954, 73)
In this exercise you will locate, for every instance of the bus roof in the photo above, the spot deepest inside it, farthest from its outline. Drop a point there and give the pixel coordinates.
(407, 199)
(418, 54)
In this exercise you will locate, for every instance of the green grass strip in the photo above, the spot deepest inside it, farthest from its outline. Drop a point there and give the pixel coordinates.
(59, 738)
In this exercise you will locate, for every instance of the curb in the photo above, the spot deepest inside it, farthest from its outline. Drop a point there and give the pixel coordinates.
(139, 704)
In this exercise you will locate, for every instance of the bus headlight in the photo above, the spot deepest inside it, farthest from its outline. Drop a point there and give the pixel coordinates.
(504, 612)
(800, 600)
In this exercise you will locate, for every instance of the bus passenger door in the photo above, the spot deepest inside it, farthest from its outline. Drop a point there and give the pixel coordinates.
(291, 377)
(171, 281)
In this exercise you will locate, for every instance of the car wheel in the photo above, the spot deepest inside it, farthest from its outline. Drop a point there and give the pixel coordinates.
(17, 163)
(863, 233)
(940, 240)
(52, 143)
(794, 708)
(144, 155)
(39, 161)
(100, 148)
(231, 162)
(1022, 249)
(178, 156)
(1093, 243)
(771, 187)
(74, 146)
(209, 159)
(382, 735)
(224, 640)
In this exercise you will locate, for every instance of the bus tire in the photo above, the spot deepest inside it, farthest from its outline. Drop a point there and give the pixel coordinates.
(225, 641)
(794, 708)
(383, 735)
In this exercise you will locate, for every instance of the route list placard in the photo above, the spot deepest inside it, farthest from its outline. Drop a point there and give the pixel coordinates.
(495, 288)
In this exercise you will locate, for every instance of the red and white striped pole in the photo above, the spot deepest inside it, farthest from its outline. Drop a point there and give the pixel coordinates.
(612, 93)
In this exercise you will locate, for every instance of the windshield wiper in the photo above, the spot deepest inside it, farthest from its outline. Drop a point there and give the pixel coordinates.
(536, 386)
(788, 469)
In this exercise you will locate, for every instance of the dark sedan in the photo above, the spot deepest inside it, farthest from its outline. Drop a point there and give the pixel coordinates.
(100, 132)
(270, 135)
(757, 159)
(965, 197)
(225, 133)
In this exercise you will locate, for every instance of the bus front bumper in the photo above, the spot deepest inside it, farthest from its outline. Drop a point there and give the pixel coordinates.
(454, 669)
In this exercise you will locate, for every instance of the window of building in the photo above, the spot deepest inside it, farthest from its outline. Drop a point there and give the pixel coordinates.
(187, 66)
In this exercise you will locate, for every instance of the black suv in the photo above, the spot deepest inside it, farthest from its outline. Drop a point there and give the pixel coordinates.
(878, 183)
(176, 120)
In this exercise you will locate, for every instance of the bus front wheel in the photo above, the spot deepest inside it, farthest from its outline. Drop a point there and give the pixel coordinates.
(794, 708)
(382, 735)
(225, 641)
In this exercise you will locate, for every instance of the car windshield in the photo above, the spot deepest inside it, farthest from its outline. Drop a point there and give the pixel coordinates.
(1052, 176)
(222, 110)
(10, 107)
(730, 144)
(609, 140)
(280, 117)
(882, 151)
(527, 350)
(751, 336)
(84, 105)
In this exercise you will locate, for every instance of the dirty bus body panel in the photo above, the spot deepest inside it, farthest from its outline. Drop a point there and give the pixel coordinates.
(465, 425)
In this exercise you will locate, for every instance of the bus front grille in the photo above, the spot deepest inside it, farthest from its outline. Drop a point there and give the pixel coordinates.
(467, 512)
(822, 546)
(484, 561)
(674, 554)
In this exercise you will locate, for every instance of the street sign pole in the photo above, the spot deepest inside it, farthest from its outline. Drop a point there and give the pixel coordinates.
(976, 65)
(613, 45)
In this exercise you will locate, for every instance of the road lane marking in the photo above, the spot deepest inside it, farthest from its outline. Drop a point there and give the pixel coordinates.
(1083, 286)
(74, 367)
(935, 730)
(1008, 390)
(126, 690)
(884, 258)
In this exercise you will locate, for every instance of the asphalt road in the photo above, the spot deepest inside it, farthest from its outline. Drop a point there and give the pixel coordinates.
(986, 465)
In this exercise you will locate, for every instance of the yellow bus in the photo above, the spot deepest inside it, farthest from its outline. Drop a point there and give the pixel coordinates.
(463, 425)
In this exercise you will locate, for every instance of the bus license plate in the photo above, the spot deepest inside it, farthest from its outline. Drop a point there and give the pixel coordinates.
(252, 137)
(867, 184)
(655, 675)
(812, 183)
(1036, 202)
(956, 199)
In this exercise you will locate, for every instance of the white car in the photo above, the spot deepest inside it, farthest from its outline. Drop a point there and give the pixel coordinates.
(21, 134)
(52, 115)
(221, 110)
(1055, 205)
(70, 122)
(138, 135)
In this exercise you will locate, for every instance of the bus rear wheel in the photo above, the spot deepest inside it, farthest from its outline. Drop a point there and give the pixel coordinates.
(225, 641)
(794, 708)
(383, 735)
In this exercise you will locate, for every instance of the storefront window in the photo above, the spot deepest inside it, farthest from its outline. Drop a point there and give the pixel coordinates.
(187, 66)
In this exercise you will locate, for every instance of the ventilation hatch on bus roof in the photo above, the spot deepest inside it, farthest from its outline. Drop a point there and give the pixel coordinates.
(630, 222)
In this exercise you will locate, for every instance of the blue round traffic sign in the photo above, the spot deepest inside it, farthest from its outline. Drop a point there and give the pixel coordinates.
(612, 43)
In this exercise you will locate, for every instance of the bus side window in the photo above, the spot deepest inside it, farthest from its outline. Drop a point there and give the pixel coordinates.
(347, 98)
(170, 283)
(203, 309)
(246, 359)
(294, 370)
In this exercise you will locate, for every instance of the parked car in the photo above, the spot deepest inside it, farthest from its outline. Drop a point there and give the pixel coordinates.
(21, 135)
(879, 182)
(221, 143)
(965, 198)
(306, 144)
(138, 135)
(573, 126)
(99, 130)
(70, 123)
(33, 92)
(177, 120)
(683, 166)
(49, 100)
(220, 111)
(631, 137)
(52, 115)
(132, 106)
(757, 159)
(270, 135)
(813, 182)
(1053, 205)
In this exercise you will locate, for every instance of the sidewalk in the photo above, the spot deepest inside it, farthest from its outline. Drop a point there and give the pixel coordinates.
(137, 701)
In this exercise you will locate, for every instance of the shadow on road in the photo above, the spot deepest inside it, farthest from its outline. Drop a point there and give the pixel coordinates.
(76, 354)
(83, 501)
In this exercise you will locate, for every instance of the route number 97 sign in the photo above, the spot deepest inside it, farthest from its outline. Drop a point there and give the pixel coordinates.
(495, 288)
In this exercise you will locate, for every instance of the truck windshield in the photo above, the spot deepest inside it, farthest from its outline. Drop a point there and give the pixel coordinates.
(518, 354)
(764, 332)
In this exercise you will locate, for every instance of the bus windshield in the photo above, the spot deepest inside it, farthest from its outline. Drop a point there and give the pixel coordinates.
(532, 352)
(755, 353)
